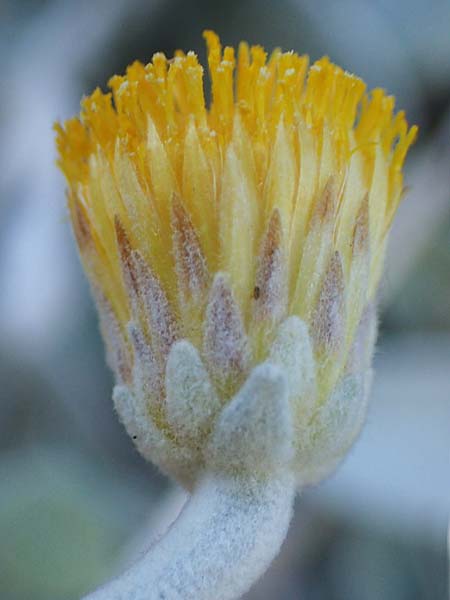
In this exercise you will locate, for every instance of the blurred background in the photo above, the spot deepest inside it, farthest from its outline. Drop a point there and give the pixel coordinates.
(76, 501)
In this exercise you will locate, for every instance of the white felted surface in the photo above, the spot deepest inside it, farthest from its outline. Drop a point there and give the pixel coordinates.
(243, 457)
(191, 401)
(254, 431)
(223, 540)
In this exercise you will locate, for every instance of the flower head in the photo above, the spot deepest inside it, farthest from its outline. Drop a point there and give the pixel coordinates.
(219, 238)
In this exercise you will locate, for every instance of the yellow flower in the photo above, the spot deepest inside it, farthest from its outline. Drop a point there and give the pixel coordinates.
(215, 225)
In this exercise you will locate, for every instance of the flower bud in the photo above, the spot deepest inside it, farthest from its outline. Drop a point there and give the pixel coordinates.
(235, 252)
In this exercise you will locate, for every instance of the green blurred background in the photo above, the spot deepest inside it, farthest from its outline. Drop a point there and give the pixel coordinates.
(76, 501)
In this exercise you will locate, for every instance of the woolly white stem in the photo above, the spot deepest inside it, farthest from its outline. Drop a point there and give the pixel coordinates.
(223, 540)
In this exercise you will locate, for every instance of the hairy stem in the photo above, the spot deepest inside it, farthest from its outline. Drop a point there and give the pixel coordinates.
(224, 538)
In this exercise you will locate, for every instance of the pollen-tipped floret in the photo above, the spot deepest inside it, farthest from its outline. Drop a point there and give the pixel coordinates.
(246, 235)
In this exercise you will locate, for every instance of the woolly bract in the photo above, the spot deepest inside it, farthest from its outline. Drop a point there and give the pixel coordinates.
(220, 237)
